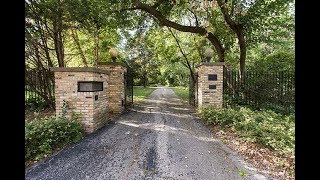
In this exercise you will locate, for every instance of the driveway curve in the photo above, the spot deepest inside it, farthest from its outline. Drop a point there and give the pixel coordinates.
(161, 138)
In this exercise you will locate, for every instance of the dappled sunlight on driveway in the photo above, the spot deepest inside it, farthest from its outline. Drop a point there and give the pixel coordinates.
(164, 113)
(166, 128)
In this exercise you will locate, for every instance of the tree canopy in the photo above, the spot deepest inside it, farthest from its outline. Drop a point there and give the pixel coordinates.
(162, 40)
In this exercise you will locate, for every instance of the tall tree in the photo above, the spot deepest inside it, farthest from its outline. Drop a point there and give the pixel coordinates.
(239, 15)
(77, 42)
(238, 28)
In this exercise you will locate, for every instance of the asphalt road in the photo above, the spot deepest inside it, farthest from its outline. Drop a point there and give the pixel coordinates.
(159, 139)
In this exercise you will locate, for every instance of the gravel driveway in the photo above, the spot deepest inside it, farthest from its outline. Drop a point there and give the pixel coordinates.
(159, 139)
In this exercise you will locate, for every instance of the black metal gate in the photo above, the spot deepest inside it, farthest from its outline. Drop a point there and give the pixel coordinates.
(193, 93)
(268, 90)
(228, 86)
(128, 83)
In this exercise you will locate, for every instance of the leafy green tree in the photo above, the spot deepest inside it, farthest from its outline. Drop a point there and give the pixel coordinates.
(143, 61)
(159, 36)
(275, 62)
(242, 17)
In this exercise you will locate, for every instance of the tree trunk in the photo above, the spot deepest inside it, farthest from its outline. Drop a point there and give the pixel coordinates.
(57, 36)
(238, 30)
(45, 46)
(145, 79)
(77, 42)
(218, 46)
(46, 49)
(243, 52)
(96, 48)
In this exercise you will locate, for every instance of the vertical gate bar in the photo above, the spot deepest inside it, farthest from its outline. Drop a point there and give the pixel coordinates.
(250, 89)
(245, 87)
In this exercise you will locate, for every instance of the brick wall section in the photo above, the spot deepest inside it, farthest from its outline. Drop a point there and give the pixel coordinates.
(93, 113)
(116, 85)
(208, 96)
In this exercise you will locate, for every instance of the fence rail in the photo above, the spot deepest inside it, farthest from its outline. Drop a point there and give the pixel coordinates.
(271, 90)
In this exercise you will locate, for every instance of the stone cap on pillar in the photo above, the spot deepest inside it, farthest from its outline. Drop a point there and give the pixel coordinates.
(113, 64)
(79, 69)
(210, 64)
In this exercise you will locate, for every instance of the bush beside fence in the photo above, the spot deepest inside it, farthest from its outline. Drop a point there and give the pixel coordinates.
(268, 128)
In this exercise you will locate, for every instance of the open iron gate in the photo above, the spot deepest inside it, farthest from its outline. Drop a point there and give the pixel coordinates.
(193, 93)
(128, 82)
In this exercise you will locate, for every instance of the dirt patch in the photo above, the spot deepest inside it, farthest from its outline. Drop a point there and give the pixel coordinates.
(264, 159)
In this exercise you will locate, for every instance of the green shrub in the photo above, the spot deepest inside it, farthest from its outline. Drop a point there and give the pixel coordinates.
(265, 127)
(35, 104)
(224, 117)
(44, 136)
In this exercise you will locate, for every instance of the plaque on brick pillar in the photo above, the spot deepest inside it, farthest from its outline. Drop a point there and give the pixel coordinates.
(212, 87)
(90, 86)
(212, 77)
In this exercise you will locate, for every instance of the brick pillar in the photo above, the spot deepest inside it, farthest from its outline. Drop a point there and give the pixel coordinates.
(210, 84)
(89, 105)
(116, 85)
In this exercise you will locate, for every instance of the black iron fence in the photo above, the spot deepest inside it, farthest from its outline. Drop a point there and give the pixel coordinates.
(268, 90)
(39, 88)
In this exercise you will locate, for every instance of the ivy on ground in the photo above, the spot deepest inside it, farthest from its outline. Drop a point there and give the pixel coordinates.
(266, 127)
(44, 136)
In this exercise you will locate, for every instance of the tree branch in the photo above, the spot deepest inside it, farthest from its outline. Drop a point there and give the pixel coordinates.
(218, 46)
(226, 15)
(126, 9)
(195, 16)
(239, 31)
(163, 21)
(192, 29)
(157, 4)
(184, 55)
(75, 37)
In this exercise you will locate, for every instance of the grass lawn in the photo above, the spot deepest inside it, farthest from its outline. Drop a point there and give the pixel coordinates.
(140, 93)
(182, 92)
